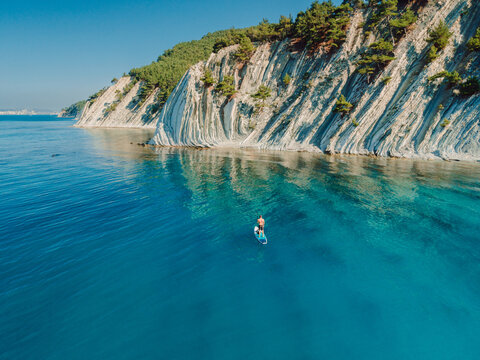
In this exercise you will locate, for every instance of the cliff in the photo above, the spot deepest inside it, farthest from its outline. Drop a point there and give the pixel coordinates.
(73, 110)
(397, 112)
(118, 106)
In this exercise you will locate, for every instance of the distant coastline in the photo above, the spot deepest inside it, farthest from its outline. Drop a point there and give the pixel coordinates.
(26, 112)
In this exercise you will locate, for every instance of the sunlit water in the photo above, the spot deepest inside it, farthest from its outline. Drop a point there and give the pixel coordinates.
(109, 250)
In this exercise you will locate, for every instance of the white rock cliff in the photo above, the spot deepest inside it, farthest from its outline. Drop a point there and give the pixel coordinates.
(126, 113)
(405, 117)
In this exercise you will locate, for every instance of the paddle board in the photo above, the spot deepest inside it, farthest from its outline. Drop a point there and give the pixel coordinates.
(261, 239)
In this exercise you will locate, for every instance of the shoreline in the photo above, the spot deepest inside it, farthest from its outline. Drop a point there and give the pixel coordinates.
(312, 149)
(319, 152)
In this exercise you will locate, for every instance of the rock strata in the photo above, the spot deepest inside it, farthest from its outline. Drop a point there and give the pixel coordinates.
(125, 111)
(406, 116)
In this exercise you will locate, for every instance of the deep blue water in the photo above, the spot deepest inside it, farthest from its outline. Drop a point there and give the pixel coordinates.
(109, 250)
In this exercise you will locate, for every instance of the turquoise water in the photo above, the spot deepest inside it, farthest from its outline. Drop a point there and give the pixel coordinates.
(109, 250)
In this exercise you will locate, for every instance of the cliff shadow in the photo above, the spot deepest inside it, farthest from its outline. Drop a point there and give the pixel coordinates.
(459, 62)
(410, 77)
(299, 95)
(135, 99)
(318, 139)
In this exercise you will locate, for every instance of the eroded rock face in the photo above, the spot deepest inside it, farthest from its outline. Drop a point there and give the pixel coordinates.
(403, 117)
(126, 113)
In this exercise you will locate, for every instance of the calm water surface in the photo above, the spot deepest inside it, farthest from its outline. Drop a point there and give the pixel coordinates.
(109, 250)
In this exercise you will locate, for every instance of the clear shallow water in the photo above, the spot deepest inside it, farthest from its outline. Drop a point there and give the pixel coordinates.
(109, 250)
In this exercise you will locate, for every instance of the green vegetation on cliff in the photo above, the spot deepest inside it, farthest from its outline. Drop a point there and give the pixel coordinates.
(401, 23)
(378, 55)
(470, 86)
(465, 87)
(226, 87)
(323, 24)
(438, 37)
(74, 109)
(207, 78)
(262, 94)
(94, 97)
(172, 64)
(452, 78)
(474, 43)
(342, 106)
(245, 50)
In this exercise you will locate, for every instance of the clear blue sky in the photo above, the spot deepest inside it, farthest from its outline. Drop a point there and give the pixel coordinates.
(57, 52)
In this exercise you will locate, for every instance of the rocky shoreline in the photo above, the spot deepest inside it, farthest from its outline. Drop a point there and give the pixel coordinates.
(407, 116)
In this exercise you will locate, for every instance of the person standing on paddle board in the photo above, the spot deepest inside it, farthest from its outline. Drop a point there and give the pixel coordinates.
(261, 225)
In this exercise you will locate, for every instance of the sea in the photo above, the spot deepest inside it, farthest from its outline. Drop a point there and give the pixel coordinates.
(113, 250)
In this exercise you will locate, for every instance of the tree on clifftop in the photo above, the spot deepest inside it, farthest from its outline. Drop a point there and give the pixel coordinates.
(246, 49)
(264, 31)
(323, 23)
(285, 27)
(386, 9)
(403, 22)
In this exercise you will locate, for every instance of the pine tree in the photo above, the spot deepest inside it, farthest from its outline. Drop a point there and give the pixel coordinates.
(207, 78)
(387, 9)
(453, 78)
(285, 27)
(439, 36)
(403, 22)
(474, 43)
(342, 105)
(470, 87)
(262, 94)
(226, 87)
(246, 50)
(380, 53)
(432, 54)
(264, 31)
(383, 10)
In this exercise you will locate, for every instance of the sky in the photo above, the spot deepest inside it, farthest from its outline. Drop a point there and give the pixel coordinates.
(56, 52)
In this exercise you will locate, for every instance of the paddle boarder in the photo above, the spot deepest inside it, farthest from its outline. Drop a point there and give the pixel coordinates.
(261, 224)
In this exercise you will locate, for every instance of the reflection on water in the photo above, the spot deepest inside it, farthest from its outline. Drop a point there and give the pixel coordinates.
(391, 194)
(378, 200)
(392, 226)
(120, 142)
(124, 142)
(115, 250)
